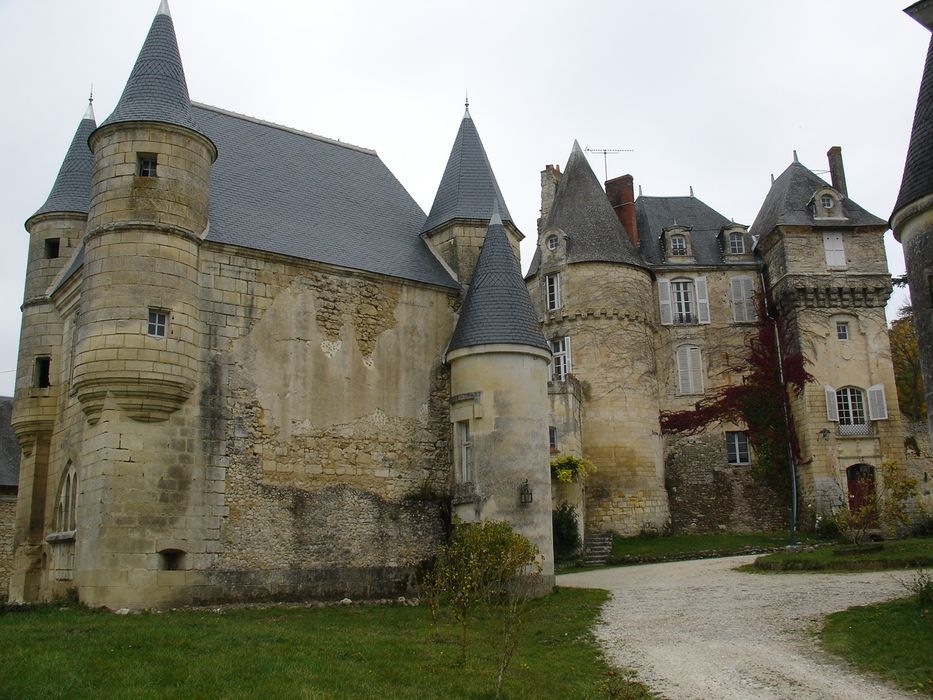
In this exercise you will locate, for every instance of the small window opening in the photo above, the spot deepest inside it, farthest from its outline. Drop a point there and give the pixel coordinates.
(51, 248)
(678, 245)
(146, 165)
(552, 438)
(171, 559)
(158, 322)
(826, 201)
(842, 330)
(552, 242)
(466, 451)
(736, 244)
(43, 378)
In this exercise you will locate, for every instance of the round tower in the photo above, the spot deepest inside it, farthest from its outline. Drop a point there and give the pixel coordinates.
(139, 334)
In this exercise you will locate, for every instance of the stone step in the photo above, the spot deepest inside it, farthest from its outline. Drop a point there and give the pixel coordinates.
(596, 548)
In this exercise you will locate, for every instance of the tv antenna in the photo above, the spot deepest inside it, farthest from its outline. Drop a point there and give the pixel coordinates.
(606, 152)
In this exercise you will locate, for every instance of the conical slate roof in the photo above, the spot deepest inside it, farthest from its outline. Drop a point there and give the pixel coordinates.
(72, 189)
(156, 90)
(497, 308)
(468, 187)
(787, 204)
(917, 181)
(583, 212)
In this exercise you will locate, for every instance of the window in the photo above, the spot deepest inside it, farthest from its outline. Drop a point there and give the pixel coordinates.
(689, 370)
(66, 511)
(683, 301)
(678, 245)
(43, 372)
(560, 365)
(850, 407)
(158, 323)
(552, 438)
(146, 165)
(736, 244)
(827, 201)
(465, 449)
(835, 250)
(737, 447)
(553, 291)
(552, 242)
(842, 330)
(52, 246)
(743, 300)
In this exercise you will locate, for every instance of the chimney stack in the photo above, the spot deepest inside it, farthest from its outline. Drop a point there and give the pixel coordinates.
(836, 170)
(621, 194)
(550, 177)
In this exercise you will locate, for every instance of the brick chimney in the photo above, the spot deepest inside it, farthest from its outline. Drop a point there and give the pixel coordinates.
(550, 177)
(621, 194)
(836, 170)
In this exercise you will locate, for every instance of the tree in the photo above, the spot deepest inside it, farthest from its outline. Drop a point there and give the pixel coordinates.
(905, 356)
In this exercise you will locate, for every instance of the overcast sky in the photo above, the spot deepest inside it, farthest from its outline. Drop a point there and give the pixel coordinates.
(711, 94)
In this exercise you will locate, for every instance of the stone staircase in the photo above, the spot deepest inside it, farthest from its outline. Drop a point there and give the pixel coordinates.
(596, 548)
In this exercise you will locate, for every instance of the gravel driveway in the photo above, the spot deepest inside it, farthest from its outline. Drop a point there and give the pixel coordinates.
(699, 630)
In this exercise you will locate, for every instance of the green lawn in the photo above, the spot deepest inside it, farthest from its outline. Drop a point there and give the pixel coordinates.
(911, 553)
(893, 640)
(645, 549)
(344, 652)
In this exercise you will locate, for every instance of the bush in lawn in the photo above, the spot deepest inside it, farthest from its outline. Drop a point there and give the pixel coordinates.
(566, 532)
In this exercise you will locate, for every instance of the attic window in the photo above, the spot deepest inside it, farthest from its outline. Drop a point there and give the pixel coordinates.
(552, 242)
(678, 245)
(826, 201)
(52, 247)
(146, 164)
(736, 244)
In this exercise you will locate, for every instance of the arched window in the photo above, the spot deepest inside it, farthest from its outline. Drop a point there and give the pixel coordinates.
(850, 403)
(66, 511)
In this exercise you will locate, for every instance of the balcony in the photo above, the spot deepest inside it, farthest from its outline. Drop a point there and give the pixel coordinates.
(685, 319)
(855, 429)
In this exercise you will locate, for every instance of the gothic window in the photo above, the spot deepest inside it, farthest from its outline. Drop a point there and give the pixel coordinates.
(560, 365)
(552, 283)
(736, 243)
(146, 164)
(158, 323)
(737, 447)
(835, 250)
(678, 245)
(689, 370)
(464, 452)
(743, 299)
(66, 509)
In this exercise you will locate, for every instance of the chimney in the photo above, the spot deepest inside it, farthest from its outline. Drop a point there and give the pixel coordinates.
(550, 177)
(836, 170)
(621, 194)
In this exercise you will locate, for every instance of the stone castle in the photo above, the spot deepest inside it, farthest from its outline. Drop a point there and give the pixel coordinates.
(250, 366)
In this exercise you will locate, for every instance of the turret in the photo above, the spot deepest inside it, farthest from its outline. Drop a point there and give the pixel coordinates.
(498, 385)
(140, 332)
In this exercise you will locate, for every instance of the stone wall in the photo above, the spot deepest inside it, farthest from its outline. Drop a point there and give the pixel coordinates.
(918, 459)
(707, 494)
(7, 517)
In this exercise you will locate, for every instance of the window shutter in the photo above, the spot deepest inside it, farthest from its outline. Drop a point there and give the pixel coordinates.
(738, 305)
(664, 296)
(832, 410)
(569, 362)
(683, 370)
(877, 406)
(835, 251)
(748, 294)
(702, 300)
(696, 371)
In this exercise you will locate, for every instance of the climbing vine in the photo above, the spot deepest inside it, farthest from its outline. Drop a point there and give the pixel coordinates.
(759, 402)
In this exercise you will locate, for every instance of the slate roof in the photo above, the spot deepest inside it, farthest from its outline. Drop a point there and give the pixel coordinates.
(468, 187)
(72, 189)
(156, 90)
(917, 180)
(497, 308)
(654, 214)
(9, 447)
(583, 212)
(284, 191)
(787, 200)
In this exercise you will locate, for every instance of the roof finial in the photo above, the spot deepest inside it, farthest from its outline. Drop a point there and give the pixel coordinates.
(639, 190)
(89, 112)
(772, 178)
(163, 9)
(691, 190)
(795, 156)
(466, 104)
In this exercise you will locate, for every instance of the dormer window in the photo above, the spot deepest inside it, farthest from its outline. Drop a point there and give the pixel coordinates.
(552, 242)
(146, 165)
(736, 244)
(678, 245)
(827, 201)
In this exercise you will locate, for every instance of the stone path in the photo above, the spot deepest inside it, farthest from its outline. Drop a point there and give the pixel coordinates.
(698, 630)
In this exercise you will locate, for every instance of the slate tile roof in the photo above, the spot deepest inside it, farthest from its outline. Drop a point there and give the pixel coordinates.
(468, 187)
(787, 205)
(497, 308)
(654, 214)
(72, 189)
(917, 180)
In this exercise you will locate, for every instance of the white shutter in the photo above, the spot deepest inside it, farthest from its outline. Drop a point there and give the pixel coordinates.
(877, 406)
(832, 410)
(748, 292)
(664, 296)
(696, 371)
(738, 307)
(835, 250)
(568, 362)
(702, 300)
(683, 370)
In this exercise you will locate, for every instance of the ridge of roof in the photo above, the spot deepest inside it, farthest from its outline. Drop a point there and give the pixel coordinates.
(497, 308)
(583, 212)
(282, 127)
(917, 180)
(71, 191)
(468, 184)
(156, 90)
(787, 204)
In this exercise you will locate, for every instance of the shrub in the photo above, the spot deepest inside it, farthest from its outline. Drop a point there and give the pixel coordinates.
(886, 507)
(568, 468)
(566, 532)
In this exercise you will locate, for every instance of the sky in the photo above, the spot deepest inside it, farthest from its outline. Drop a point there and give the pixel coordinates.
(715, 95)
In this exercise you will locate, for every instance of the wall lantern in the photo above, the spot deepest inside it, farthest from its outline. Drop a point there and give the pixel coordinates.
(524, 493)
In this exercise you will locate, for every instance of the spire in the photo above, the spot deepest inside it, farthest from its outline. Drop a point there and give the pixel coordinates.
(917, 181)
(468, 186)
(156, 90)
(72, 189)
(497, 308)
(89, 112)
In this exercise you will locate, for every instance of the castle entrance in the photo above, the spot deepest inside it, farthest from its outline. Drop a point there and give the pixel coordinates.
(860, 480)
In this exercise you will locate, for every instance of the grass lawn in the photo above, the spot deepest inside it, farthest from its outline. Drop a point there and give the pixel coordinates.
(645, 549)
(342, 652)
(911, 553)
(893, 640)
